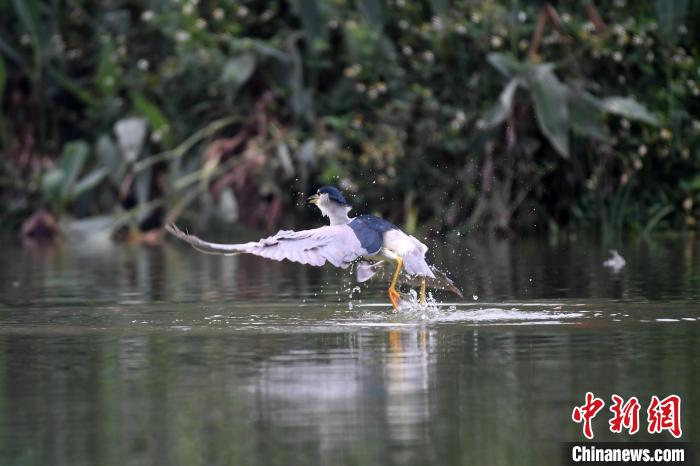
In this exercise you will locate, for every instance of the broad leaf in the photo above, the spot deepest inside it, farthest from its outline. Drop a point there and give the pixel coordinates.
(506, 64)
(72, 86)
(502, 108)
(587, 118)
(265, 50)
(28, 12)
(51, 183)
(628, 108)
(89, 182)
(238, 69)
(131, 133)
(155, 117)
(109, 158)
(551, 107)
(106, 76)
(73, 159)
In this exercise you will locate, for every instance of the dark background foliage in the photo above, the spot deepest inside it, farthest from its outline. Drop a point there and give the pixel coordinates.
(444, 116)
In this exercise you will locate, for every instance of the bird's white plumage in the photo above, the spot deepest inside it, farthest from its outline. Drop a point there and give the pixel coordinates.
(341, 244)
(412, 251)
(337, 214)
(336, 244)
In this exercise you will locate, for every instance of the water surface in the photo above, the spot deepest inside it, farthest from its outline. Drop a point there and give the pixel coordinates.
(131, 355)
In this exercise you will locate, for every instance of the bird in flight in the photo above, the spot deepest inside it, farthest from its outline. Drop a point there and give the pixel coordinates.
(342, 243)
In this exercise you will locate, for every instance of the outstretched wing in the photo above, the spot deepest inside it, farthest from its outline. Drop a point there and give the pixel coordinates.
(335, 244)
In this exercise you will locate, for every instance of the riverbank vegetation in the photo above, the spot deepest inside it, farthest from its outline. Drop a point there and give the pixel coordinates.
(444, 116)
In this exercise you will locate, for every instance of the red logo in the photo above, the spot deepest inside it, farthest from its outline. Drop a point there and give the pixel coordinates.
(624, 415)
(665, 415)
(587, 412)
(661, 414)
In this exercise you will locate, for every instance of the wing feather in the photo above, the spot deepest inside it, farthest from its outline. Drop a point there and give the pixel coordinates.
(335, 244)
(415, 264)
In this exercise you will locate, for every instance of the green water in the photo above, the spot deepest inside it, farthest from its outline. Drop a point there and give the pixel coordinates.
(119, 355)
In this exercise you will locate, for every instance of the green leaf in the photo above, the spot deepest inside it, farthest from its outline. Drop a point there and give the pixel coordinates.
(656, 218)
(89, 182)
(587, 118)
(628, 108)
(72, 86)
(506, 64)
(265, 50)
(110, 159)
(238, 70)
(28, 12)
(502, 108)
(73, 159)
(106, 75)
(551, 107)
(51, 182)
(155, 117)
(694, 184)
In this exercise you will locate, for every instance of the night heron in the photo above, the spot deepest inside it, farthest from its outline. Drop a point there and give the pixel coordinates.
(342, 243)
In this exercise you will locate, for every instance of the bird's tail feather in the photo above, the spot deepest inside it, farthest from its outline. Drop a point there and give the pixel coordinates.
(439, 281)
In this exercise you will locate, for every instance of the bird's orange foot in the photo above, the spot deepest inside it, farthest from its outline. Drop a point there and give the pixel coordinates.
(395, 298)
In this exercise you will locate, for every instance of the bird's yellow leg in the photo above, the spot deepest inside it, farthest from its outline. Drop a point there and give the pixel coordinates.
(422, 291)
(394, 295)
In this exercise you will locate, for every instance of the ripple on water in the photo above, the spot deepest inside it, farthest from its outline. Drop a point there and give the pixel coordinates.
(451, 313)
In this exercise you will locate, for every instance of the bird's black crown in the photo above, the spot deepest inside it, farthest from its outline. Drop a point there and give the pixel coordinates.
(334, 194)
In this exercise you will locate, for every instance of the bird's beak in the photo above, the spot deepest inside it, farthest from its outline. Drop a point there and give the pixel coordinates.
(313, 199)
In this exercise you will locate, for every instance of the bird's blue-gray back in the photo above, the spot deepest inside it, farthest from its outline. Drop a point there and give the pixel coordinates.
(370, 231)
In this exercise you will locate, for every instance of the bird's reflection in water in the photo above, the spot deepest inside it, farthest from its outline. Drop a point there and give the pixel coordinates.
(330, 389)
(407, 375)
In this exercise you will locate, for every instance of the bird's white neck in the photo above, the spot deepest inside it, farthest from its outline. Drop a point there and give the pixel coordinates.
(337, 214)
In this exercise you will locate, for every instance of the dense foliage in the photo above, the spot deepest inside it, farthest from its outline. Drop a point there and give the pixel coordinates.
(451, 115)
